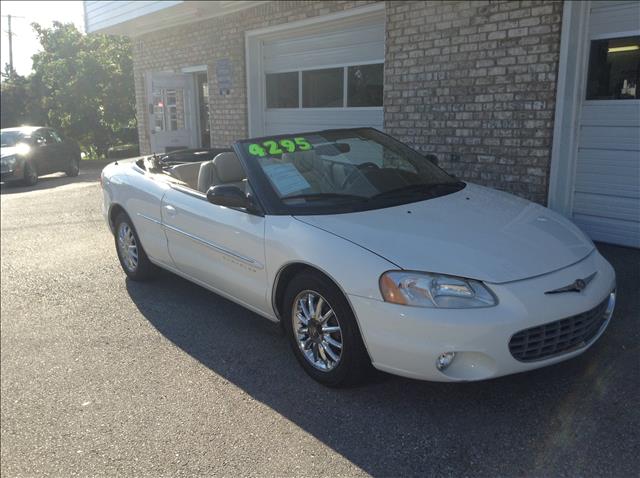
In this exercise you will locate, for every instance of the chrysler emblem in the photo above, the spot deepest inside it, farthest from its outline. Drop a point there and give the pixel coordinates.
(577, 286)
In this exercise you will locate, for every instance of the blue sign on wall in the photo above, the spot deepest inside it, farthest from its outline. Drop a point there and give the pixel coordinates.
(224, 75)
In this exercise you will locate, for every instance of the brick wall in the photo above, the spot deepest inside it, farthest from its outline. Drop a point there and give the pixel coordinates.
(203, 43)
(474, 83)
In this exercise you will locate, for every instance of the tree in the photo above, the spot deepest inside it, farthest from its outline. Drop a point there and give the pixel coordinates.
(19, 105)
(81, 84)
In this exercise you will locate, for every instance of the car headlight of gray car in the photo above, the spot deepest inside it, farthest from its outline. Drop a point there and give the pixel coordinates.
(9, 161)
(425, 289)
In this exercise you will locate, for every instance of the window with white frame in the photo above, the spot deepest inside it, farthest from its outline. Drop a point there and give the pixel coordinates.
(338, 87)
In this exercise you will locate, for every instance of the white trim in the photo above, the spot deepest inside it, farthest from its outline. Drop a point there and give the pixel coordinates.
(194, 69)
(181, 13)
(574, 48)
(254, 40)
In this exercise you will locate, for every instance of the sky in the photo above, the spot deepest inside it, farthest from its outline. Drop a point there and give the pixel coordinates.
(25, 42)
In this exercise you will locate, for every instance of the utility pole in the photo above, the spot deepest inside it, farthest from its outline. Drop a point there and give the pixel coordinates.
(10, 33)
(10, 42)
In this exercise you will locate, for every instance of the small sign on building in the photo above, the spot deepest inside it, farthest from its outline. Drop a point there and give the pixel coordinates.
(224, 75)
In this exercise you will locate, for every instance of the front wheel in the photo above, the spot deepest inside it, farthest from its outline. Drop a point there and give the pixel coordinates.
(30, 174)
(74, 168)
(133, 259)
(323, 332)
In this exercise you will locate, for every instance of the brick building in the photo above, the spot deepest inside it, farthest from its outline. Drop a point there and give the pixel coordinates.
(538, 98)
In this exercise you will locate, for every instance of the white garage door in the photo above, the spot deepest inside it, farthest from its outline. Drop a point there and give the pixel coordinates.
(325, 75)
(606, 202)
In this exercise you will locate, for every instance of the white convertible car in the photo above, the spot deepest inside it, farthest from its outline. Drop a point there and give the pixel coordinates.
(368, 254)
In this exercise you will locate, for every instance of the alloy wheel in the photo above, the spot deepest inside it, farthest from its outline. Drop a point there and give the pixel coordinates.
(128, 247)
(317, 330)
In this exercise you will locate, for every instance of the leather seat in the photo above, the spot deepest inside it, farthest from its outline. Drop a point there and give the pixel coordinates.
(225, 169)
(310, 166)
(187, 172)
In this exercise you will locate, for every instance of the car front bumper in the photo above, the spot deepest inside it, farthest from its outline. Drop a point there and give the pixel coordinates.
(16, 174)
(407, 341)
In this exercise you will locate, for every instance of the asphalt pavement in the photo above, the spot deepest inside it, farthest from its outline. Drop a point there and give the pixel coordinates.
(103, 376)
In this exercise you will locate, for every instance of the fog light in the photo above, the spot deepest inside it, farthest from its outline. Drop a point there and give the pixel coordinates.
(444, 360)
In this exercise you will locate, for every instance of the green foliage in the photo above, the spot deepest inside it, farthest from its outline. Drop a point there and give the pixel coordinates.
(19, 102)
(81, 84)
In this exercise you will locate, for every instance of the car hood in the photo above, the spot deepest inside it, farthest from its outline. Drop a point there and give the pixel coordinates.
(477, 232)
(8, 151)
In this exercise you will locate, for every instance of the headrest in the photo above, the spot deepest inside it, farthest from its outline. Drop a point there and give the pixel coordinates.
(228, 167)
(303, 160)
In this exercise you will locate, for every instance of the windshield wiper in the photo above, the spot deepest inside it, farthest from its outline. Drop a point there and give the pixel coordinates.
(321, 196)
(415, 190)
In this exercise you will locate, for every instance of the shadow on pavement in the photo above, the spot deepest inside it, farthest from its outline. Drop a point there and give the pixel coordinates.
(565, 419)
(89, 173)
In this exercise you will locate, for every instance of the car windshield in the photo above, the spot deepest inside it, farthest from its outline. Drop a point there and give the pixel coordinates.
(10, 138)
(344, 170)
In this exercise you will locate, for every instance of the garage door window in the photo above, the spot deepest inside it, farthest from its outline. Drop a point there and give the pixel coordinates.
(614, 69)
(325, 88)
(365, 85)
(282, 90)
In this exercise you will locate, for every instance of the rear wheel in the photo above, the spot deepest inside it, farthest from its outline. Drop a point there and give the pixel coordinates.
(30, 174)
(323, 332)
(133, 259)
(74, 168)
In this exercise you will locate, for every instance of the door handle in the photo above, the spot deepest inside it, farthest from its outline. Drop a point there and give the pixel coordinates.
(170, 210)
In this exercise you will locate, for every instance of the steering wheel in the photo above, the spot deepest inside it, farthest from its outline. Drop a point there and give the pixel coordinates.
(355, 173)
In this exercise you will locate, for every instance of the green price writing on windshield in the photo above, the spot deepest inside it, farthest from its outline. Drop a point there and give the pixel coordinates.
(275, 148)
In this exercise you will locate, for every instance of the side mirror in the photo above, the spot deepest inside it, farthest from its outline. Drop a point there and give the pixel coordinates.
(432, 157)
(228, 196)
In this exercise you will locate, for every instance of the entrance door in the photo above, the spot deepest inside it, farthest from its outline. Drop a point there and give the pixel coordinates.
(172, 112)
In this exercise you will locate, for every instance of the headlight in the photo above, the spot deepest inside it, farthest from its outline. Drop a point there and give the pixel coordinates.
(23, 149)
(424, 289)
(9, 161)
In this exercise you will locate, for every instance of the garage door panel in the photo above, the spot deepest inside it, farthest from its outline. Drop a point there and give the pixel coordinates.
(626, 233)
(606, 188)
(609, 137)
(611, 113)
(297, 120)
(365, 44)
(601, 205)
(607, 172)
(324, 57)
(607, 18)
(341, 96)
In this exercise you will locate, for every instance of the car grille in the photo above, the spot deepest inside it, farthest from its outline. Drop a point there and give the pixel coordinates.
(544, 341)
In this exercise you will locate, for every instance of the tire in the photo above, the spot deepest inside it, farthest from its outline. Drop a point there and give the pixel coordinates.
(30, 174)
(74, 168)
(353, 366)
(141, 268)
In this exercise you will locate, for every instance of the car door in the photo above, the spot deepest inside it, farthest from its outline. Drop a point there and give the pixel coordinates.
(222, 248)
(46, 152)
(63, 152)
(39, 152)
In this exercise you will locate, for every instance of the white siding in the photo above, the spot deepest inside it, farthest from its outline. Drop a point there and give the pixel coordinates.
(103, 14)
